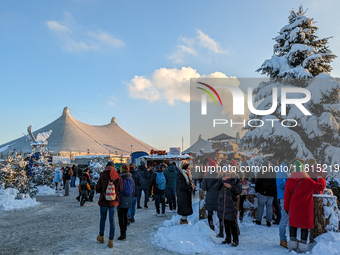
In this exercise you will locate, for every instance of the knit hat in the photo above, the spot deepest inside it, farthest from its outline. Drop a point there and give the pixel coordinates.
(233, 162)
(162, 165)
(211, 162)
(298, 166)
(124, 168)
(311, 161)
(132, 165)
(185, 166)
(110, 163)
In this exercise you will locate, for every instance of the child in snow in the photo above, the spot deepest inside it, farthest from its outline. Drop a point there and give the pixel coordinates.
(58, 178)
(229, 187)
(298, 203)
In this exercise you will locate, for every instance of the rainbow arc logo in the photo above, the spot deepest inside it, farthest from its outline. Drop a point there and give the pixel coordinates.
(209, 93)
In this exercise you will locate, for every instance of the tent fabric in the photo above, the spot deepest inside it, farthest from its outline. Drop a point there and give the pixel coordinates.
(199, 145)
(221, 137)
(73, 136)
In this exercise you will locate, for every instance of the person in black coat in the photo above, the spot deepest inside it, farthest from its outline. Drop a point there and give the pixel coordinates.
(144, 185)
(211, 197)
(125, 201)
(136, 179)
(159, 193)
(184, 187)
(265, 186)
(229, 188)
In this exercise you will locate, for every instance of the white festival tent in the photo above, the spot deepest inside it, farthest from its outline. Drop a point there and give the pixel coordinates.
(71, 137)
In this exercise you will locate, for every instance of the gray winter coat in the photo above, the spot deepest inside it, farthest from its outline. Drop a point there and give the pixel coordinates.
(126, 201)
(211, 197)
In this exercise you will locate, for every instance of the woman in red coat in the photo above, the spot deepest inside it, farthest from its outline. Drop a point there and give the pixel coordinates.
(298, 201)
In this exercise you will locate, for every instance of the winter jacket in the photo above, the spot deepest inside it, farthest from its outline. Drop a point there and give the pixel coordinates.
(80, 172)
(126, 201)
(75, 171)
(171, 175)
(211, 198)
(300, 204)
(109, 174)
(314, 171)
(281, 179)
(144, 177)
(153, 182)
(227, 199)
(67, 173)
(86, 177)
(136, 179)
(266, 184)
(184, 199)
(58, 176)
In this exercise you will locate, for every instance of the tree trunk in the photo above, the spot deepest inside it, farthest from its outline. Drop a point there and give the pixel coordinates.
(326, 215)
(250, 204)
(202, 212)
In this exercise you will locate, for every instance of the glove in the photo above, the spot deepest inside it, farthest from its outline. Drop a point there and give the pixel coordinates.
(287, 211)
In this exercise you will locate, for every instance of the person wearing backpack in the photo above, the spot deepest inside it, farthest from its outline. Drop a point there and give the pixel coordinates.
(109, 186)
(158, 182)
(298, 204)
(125, 199)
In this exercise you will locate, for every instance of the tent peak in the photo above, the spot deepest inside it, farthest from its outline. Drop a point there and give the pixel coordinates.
(66, 111)
(199, 137)
(113, 120)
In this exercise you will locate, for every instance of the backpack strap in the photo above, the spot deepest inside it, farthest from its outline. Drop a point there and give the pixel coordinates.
(297, 186)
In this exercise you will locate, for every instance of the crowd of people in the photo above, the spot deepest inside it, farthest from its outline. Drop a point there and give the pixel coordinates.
(287, 195)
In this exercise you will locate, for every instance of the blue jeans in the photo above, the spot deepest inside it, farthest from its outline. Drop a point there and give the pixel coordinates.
(146, 193)
(132, 209)
(171, 194)
(283, 223)
(159, 198)
(262, 201)
(73, 181)
(103, 214)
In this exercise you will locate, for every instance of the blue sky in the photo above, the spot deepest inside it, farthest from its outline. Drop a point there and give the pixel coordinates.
(131, 59)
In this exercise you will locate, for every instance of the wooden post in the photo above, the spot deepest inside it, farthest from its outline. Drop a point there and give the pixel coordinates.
(326, 215)
(202, 212)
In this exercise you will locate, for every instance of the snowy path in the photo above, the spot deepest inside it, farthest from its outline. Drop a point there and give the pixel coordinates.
(60, 226)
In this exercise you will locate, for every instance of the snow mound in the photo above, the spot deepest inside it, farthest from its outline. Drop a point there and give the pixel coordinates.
(197, 238)
(45, 191)
(8, 201)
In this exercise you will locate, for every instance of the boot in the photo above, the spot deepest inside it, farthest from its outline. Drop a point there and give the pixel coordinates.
(100, 238)
(227, 241)
(122, 236)
(110, 243)
(211, 223)
(56, 193)
(292, 245)
(60, 193)
(221, 230)
(183, 222)
(303, 247)
(284, 244)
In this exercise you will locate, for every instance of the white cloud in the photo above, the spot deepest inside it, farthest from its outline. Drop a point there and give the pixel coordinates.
(191, 46)
(174, 85)
(209, 43)
(75, 38)
(106, 38)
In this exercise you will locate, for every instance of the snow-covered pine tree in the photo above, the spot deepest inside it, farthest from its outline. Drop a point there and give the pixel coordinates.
(42, 172)
(300, 59)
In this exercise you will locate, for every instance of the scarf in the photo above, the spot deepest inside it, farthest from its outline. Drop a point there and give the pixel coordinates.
(187, 176)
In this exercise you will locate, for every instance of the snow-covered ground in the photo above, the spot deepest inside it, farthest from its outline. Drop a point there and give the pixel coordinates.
(8, 201)
(45, 191)
(198, 238)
